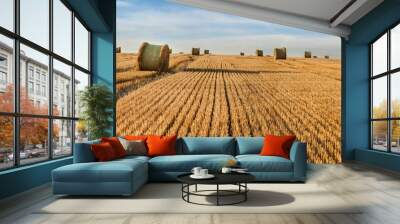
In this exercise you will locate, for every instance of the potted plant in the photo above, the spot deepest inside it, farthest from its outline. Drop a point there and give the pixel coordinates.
(96, 103)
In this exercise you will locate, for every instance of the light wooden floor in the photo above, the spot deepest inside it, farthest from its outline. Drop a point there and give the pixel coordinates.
(379, 189)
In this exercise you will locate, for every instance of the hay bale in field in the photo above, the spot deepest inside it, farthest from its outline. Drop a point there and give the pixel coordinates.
(307, 54)
(280, 53)
(118, 50)
(195, 51)
(206, 51)
(259, 53)
(153, 57)
(315, 57)
(326, 57)
(241, 53)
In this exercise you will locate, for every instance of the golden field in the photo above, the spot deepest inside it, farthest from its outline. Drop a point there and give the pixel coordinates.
(216, 95)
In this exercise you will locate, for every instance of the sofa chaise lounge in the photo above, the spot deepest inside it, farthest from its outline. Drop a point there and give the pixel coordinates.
(125, 176)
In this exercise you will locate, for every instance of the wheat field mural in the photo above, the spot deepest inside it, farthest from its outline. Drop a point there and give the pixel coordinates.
(221, 95)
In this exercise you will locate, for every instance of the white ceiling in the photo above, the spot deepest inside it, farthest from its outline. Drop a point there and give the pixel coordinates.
(325, 16)
(321, 9)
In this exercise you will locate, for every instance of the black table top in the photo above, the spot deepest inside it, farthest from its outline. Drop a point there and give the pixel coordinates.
(220, 178)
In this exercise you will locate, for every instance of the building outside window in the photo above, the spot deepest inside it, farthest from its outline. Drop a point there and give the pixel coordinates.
(3, 80)
(38, 89)
(43, 90)
(385, 93)
(30, 72)
(3, 61)
(34, 75)
(30, 87)
(3, 72)
(43, 78)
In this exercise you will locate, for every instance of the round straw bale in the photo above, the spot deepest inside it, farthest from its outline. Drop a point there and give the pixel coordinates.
(315, 56)
(280, 53)
(259, 53)
(206, 51)
(241, 53)
(307, 54)
(326, 57)
(153, 57)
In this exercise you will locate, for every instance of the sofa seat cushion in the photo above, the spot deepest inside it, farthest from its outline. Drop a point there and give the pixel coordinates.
(257, 163)
(133, 157)
(185, 163)
(112, 171)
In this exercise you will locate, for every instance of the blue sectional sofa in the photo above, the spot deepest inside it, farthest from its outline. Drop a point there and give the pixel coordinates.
(125, 176)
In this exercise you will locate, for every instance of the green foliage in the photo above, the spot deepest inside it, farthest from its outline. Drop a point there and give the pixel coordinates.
(97, 104)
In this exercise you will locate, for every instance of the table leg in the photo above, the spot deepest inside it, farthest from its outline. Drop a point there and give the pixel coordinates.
(188, 190)
(217, 194)
(195, 188)
(245, 193)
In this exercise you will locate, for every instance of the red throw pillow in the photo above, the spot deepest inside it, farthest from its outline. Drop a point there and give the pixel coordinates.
(103, 152)
(277, 145)
(116, 145)
(161, 145)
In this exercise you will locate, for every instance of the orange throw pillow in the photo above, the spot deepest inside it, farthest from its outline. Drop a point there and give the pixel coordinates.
(103, 152)
(277, 145)
(161, 145)
(116, 145)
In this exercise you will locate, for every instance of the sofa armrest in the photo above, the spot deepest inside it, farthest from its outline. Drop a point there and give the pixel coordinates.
(298, 155)
(83, 152)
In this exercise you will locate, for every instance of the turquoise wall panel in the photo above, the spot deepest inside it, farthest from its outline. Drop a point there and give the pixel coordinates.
(355, 62)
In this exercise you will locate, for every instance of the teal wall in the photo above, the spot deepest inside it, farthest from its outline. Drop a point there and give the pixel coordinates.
(355, 84)
(24, 178)
(100, 17)
(103, 52)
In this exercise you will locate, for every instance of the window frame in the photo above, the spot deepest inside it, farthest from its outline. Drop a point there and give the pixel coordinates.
(388, 74)
(16, 114)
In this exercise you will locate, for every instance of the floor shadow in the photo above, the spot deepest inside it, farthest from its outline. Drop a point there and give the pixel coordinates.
(256, 198)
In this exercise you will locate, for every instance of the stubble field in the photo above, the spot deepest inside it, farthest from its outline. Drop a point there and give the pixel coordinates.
(215, 95)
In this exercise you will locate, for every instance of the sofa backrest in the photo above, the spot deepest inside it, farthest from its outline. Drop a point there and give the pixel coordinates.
(83, 152)
(206, 145)
(249, 145)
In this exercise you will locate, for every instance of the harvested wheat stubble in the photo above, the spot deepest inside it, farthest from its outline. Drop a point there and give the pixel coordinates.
(307, 54)
(259, 53)
(153, 57)
(196, 51)
(129, 79)
(280, 53)
(248, 96)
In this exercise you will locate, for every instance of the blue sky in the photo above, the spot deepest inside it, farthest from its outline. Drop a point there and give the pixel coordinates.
(182, 27)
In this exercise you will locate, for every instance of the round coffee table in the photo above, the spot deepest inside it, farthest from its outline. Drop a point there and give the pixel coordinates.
(238, 179)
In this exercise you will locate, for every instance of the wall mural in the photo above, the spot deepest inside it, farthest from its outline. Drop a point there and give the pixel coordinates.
(200, 86)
